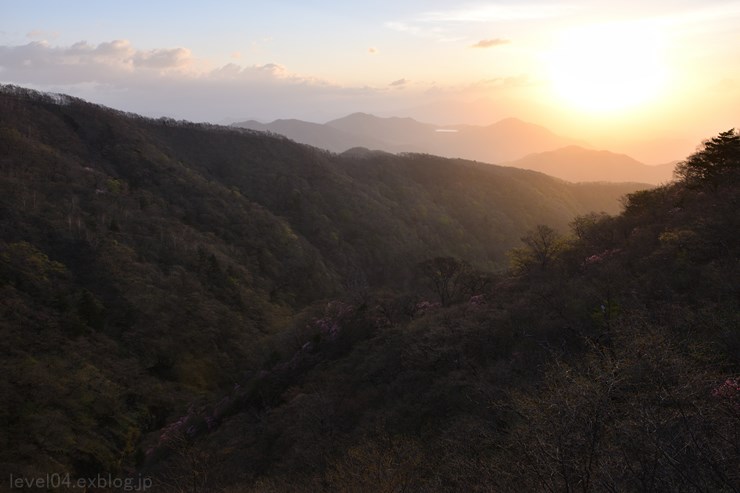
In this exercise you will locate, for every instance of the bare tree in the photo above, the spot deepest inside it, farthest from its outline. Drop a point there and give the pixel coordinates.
(446, 276)
(542, 244)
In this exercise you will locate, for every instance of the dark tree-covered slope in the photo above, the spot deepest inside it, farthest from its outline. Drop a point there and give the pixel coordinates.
(148, 266)
(605, 360)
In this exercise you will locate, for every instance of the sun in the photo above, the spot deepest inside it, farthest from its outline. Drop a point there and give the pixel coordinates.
(607, 68)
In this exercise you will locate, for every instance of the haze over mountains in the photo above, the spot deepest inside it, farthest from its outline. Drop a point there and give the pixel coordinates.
(575, 163)
(503, 141)
(510, 141)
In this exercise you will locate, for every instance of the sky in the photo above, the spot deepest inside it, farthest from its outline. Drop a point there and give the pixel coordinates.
(649, 78)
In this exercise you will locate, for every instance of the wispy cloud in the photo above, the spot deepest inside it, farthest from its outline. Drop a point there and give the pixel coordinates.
(453, 24)
(163, 58)
(490, 43)
(372, 50)
(516, 81)
(422, 30)
(399, 83)
(403, 27)
(494, 13)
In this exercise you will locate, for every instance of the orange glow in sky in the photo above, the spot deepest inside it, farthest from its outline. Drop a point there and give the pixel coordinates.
(648, 78)
(608, 68)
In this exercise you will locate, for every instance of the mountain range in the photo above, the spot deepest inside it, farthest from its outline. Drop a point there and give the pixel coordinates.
(511, 142)
(206, 308)
(161, 260)
(506, 140)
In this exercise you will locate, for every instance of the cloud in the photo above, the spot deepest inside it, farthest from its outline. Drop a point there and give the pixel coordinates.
(119, 63)
(494, 13)
(489, 43)
(450, 25)
(273, 71)
(156, 82)
(117, 51)
(403, 27)
(516, 81)
(236, 55)
(372, 50)
(163, 58)
(173, 82)
(41, 63)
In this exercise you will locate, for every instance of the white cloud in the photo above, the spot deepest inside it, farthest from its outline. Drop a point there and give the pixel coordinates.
(173, 82)
(39, 62)
(163, 58)
(273, 73)
(157, 82)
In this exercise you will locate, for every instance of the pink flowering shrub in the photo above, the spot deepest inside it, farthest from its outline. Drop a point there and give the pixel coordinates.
(477, 301)
(727, 395)
(600, 257)
(729, 390)
(330, 324)
(173, 434)
(425, 306)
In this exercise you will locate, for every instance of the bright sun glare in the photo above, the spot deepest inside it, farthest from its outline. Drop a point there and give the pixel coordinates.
(607, 68)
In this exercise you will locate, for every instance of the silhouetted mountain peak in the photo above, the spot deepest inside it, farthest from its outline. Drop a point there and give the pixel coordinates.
(360, 117)
(363, 153)
(576, 163)
(392, 128)
(511, 121)
(520, 126)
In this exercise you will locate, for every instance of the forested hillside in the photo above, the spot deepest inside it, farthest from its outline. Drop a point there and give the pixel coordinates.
(604, 360)
(220, 309)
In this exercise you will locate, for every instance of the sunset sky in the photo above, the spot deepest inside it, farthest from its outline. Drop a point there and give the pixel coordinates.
(648, 78)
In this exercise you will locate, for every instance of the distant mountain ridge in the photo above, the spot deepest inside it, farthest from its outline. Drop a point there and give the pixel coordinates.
(505, 140)
(315, 134)
(575, 163)
(511, 142)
